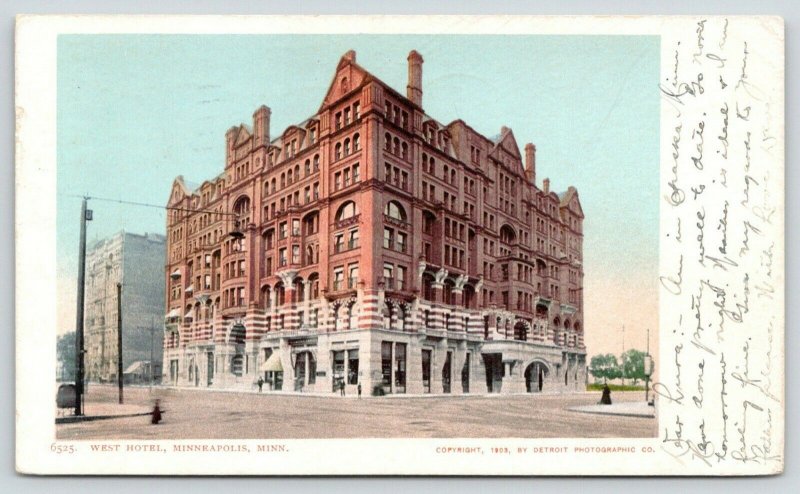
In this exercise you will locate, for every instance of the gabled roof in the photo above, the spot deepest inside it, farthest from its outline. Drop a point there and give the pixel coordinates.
(242, 135)
(349, 76)
(570, 200)
(506, 141)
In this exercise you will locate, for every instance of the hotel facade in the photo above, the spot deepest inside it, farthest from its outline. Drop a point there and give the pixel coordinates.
(371, 244)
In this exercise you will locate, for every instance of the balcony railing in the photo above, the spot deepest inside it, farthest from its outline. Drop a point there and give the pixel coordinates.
(353, 220)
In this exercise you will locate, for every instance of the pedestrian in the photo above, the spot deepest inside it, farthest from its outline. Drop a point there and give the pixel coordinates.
(156, 413)
(341, 387)
(605, 399)
(260, 383)
(359, 391)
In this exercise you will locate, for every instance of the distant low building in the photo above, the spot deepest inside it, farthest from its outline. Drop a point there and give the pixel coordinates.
(141, 372)
(136, 261)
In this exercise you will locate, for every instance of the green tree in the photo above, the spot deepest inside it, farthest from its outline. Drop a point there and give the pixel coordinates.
(633, 365)
(605, 367)
(65, 354)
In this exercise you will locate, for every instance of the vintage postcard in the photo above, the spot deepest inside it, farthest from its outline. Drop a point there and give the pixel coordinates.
(287, 245)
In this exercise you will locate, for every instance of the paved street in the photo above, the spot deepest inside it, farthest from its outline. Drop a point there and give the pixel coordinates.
(194, 414)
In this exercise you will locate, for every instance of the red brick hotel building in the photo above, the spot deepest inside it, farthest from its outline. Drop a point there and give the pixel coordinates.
(372, 244)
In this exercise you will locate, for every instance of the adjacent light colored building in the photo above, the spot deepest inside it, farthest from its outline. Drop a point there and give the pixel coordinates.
(136, 261)
(371, 244)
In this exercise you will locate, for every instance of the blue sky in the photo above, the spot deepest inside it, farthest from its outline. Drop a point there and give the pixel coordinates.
(134, 111)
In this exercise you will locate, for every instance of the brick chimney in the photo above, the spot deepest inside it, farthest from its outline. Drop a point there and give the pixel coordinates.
(546, 185)
(261, 126)
(530, 162)
(414, 88)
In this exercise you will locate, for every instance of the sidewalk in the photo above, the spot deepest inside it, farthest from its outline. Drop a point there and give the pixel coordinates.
(104, 411)
(624, 409)
(336, 394)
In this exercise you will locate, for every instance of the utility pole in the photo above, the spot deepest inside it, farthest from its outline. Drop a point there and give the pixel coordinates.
(152, 334)
(86, 215)
(647, 370)
(119, 340)
(622, 357)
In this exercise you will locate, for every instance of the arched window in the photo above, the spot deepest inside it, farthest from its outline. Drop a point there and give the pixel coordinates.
(308, 167)
(242, 209)
(397, 146)
(346, 147)
(395, 210)
(356, 142)
(507, 235)
(405, 151)
(283, 180)
(337, 154)
(346, 210)
(316, 162)
(289, 176)
(297, 172)
(427, 287)
(387, 142)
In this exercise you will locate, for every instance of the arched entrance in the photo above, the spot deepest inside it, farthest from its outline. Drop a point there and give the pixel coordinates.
(535, 375)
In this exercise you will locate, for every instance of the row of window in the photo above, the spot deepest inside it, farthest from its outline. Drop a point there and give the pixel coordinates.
(339, 282)
(344, 149)
(395, 176)
(346, 177)
(347, 115)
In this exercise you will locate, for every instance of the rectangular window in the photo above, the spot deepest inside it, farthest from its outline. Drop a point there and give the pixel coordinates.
(282, 257)
(352, 366)
(282, 228)
(337, 181)
(401, 278)
(338, 279)
(400, 367)
(352, 278)
(388, 275)
(346, 177)
(295, 228)
(388, 237)
(338, 243)
(401, 242)
(356, 175)
(386, 365)
(295, 254)
(352, 240)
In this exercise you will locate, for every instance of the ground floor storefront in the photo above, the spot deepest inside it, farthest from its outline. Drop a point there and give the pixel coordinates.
(380, 362)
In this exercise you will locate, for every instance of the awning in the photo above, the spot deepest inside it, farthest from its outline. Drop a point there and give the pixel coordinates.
(188, 314)
(272, 364)
(190, 288)
(174, 313)
(176, 273)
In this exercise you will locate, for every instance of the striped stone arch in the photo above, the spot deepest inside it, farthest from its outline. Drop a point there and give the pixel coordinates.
(335, 305)
(392, 304)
